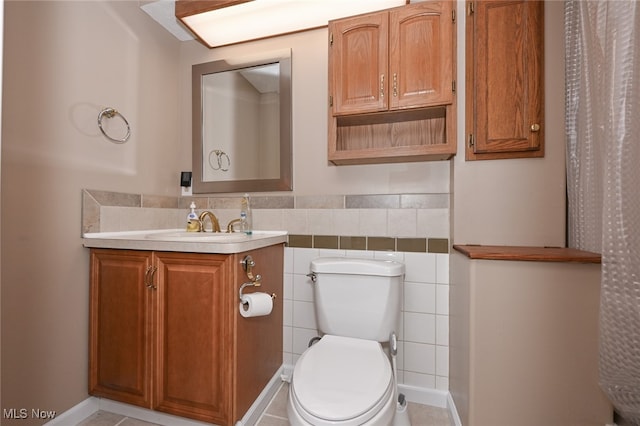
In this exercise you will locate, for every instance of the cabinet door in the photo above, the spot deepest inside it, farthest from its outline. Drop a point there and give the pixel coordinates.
(358, 61)
(506, 95)
(193, 359)
(120, 338)
(421, 58)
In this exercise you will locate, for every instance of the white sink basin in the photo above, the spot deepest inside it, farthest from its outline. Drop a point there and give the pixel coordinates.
(203, 237)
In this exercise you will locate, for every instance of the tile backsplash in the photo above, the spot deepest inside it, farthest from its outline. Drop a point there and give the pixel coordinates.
(411, 222)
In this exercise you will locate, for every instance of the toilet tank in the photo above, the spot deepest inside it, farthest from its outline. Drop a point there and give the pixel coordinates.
(357, 297)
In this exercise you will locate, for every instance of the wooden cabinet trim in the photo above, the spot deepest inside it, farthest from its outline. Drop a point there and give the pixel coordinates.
(184, 8)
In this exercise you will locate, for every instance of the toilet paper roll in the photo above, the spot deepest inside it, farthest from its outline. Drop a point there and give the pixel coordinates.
(255, 304)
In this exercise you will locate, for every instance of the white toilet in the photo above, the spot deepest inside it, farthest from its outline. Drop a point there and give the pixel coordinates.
(346, 378)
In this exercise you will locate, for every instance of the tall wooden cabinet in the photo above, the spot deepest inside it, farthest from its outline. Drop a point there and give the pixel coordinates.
(505, 79)
(166, 332)
(391, 85)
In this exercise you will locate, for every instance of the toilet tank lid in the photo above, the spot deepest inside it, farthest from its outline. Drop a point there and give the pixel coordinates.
(344, 265)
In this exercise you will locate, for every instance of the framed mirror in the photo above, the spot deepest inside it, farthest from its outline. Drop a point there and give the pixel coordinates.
(242, 124)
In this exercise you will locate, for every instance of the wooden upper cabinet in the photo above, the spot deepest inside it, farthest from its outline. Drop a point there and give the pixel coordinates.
(394, 59)
(359, 62)
(420, 62)
(505, 88)
(391, 85)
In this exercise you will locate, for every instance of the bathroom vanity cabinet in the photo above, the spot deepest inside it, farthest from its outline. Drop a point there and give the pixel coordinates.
(391, 85)
(166, 332)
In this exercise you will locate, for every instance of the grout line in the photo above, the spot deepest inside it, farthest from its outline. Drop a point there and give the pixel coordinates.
(275, 417)
(264, 415)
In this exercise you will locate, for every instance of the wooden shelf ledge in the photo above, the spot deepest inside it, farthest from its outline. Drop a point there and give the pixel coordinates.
(534, 254)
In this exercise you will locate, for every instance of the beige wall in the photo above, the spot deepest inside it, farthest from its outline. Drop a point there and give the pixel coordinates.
(64, 62)
(522, 201)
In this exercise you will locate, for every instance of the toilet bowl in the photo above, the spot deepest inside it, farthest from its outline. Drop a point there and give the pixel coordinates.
(342, 381)
(346, 378)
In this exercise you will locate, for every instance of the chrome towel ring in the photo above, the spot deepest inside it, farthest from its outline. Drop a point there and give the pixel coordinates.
(223, 162)
(110, 113)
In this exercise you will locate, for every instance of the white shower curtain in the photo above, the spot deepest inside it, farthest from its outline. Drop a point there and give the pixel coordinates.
(602, 43)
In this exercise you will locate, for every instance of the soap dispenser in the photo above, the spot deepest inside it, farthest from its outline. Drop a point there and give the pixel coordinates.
(192, 219)
(245, 215)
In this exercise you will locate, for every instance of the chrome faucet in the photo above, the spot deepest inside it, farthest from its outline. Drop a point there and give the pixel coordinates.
(215, 225)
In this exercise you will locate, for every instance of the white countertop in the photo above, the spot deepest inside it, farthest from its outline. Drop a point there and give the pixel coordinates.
(181, 241)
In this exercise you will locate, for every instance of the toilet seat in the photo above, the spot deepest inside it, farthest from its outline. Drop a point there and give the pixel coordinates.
(342, 380)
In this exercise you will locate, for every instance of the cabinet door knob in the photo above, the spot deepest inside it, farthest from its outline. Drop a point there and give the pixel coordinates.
(535, 127)
(382, 85)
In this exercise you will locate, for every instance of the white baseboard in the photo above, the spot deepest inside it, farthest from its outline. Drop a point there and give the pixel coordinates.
(432, 397)
(76, 414)
(146, 414)
(89, 406)
(287, 372)
(424, 396)
(260, 405)
(451, 405)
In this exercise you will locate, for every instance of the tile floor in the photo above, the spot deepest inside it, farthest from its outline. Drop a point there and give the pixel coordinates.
(276, 415)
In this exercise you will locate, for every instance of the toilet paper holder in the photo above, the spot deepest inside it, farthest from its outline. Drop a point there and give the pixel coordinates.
(247, 264)
(245, 285)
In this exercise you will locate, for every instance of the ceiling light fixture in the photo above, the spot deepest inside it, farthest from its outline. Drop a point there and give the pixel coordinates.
(222, 22)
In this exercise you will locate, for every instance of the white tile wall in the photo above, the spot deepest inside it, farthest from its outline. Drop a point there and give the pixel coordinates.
(370, 222)
(433, 223)
(423, 351)
(113, 219)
